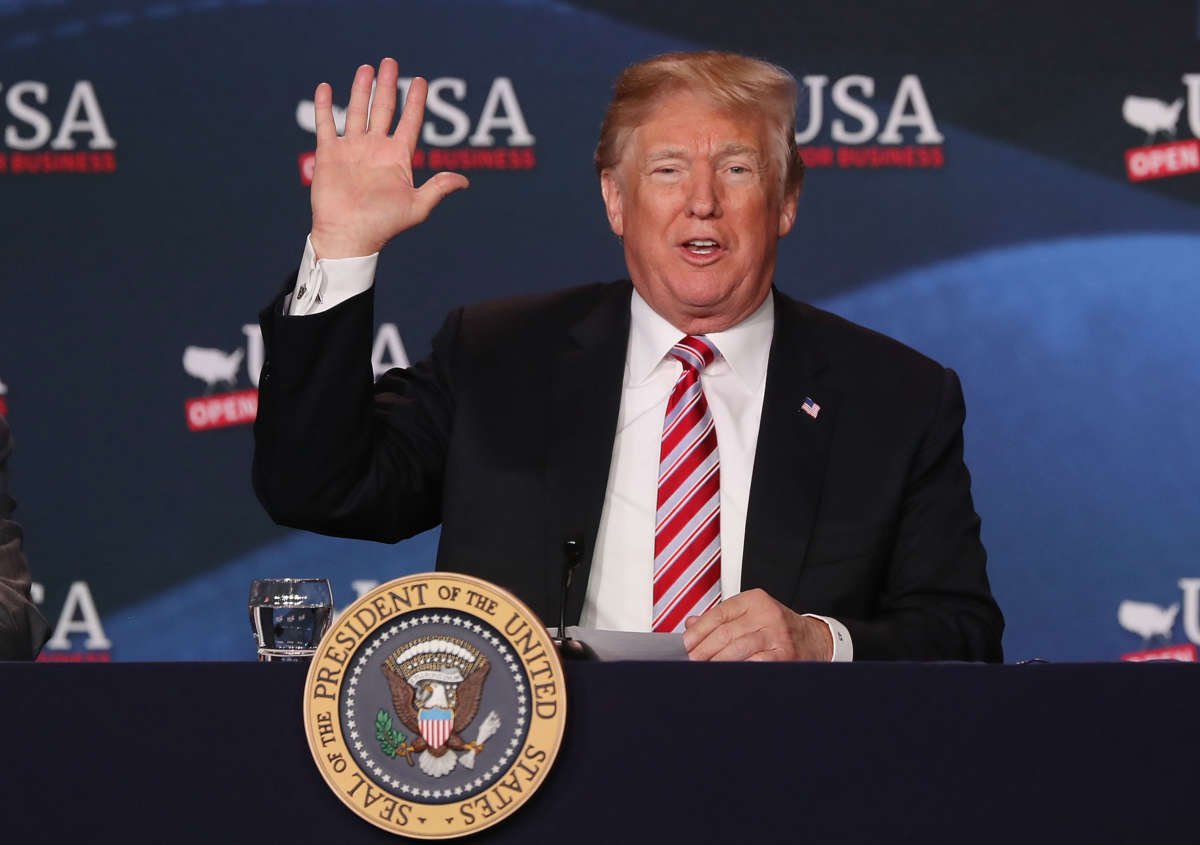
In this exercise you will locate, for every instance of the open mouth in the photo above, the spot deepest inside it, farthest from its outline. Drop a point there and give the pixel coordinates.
(701, 246)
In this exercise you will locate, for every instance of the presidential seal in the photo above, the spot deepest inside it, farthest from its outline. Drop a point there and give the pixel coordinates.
(435, 705)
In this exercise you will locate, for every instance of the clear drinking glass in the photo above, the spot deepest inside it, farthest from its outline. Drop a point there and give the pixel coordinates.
(288, 616)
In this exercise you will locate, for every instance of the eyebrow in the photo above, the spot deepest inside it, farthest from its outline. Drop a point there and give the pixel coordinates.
(668, 152)
(732, 148)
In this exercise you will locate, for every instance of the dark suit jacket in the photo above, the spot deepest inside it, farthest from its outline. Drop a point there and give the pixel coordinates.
(23, 629)
(504, 436)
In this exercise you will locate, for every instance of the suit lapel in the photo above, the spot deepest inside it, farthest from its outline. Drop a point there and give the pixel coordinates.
(586, 399)
(791, 456)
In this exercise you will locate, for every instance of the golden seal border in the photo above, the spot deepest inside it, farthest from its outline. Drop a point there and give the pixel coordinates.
(331, 668)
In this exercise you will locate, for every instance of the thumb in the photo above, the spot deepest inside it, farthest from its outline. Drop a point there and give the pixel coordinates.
(437, 188)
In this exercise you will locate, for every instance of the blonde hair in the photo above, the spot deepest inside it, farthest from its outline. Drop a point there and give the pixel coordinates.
(736, 83)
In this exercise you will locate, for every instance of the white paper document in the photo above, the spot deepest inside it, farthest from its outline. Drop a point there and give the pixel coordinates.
(629, 645)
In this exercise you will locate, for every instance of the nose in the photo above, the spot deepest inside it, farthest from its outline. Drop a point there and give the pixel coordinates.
(703, 201)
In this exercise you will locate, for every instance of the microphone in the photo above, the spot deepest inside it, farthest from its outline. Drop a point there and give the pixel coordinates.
(570, 649)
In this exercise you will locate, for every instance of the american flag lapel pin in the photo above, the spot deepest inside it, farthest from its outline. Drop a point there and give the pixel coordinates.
(810, 407)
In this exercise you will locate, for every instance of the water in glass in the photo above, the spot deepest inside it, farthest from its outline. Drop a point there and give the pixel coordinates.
(288, 616)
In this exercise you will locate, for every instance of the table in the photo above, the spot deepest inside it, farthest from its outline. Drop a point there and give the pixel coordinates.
(653, 752)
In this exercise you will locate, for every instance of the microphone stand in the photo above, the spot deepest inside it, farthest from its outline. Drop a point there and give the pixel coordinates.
(568, 648)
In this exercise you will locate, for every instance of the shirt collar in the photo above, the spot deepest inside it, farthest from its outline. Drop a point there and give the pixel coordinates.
(745, 346)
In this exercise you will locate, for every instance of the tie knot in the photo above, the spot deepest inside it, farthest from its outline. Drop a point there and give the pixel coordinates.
(695, 352)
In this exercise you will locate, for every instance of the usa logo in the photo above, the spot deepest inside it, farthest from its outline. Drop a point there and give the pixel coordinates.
(435, 705)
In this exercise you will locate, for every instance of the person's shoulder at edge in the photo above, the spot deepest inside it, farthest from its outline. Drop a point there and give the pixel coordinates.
(23, 629)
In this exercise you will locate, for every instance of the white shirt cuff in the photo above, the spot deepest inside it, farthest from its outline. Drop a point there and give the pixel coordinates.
(328, 282)
(843, 646)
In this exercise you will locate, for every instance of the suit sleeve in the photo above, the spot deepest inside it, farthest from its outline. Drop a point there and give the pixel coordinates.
(23, 629)
(337, 453)
(936, 602)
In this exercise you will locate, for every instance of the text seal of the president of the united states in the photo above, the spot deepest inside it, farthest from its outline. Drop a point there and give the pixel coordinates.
(435, 705)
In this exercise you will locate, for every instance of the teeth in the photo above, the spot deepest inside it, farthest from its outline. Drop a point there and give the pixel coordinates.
(702, 242)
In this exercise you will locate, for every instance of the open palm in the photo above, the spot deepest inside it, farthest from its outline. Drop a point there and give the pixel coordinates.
(363, 192)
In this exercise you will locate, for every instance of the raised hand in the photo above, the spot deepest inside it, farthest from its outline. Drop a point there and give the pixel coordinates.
(363, 193)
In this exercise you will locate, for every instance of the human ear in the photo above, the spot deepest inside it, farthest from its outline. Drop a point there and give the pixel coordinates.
(787, 211)
(610, 188)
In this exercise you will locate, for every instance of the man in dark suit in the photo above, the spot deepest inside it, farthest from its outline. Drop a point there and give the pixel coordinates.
(23, 629)
(765, 477)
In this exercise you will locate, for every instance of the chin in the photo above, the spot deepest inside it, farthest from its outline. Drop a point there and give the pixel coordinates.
(701, 294)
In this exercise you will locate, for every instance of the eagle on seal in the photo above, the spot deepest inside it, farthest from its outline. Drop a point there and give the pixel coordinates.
(437, 685)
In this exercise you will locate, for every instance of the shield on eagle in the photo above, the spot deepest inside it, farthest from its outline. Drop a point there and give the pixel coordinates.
(436, 724)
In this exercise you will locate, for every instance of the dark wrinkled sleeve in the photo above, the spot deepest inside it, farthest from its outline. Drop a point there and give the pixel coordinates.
(337, 453)
(23, 629)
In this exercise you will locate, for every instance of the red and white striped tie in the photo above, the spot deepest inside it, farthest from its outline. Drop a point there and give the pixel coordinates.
(687, 531)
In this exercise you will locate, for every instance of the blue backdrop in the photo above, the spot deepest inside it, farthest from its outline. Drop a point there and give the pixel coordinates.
(977, 188)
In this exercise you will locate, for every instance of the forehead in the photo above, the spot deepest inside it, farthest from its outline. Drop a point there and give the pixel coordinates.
(694, 124)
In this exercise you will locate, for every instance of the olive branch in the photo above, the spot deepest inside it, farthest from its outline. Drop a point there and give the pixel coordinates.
(388, 737)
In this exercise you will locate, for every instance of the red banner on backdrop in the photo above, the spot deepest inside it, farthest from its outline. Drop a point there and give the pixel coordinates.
(1162, 160)
(1183, 653)
(222, 410)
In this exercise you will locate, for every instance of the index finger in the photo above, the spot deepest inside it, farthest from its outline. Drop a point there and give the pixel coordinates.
(409, 128)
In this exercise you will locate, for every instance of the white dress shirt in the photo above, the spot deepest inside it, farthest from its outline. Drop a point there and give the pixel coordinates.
(620, 585)
(619, 594)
